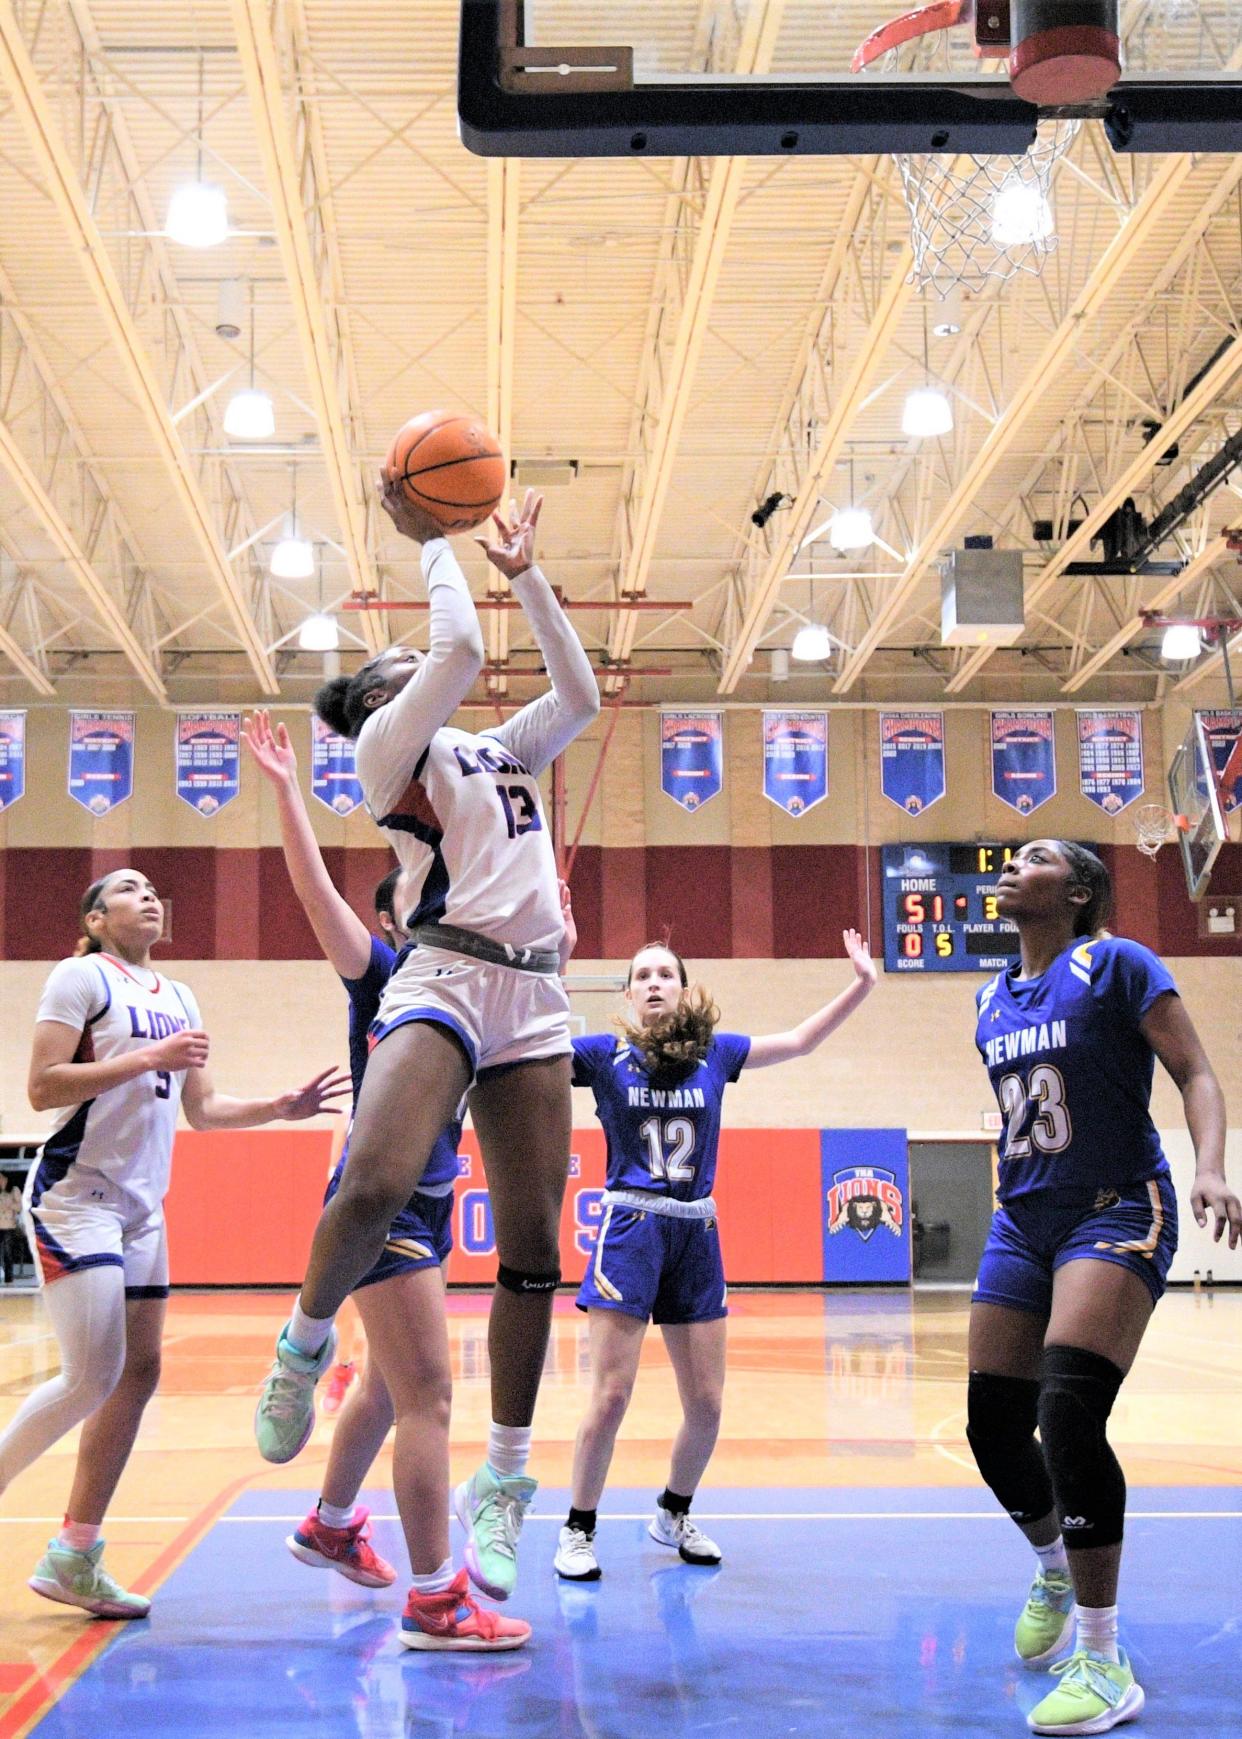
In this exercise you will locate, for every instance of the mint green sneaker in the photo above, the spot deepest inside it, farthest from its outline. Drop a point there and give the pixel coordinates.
(492, 1508)
(285, 1416)
(79, 1579)
(1047, 1621)
(1094, 1696)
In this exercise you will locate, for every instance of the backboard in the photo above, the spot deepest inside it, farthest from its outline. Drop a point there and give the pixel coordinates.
(598, 78)
(1194, 791)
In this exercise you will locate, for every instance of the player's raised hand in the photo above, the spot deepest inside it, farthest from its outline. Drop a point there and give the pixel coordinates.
(1212, 1195)
(514, 550)
(412, 522)
(315, 1098)
(187, 1049)
(860, 957)
(270, 750)
(569, 940)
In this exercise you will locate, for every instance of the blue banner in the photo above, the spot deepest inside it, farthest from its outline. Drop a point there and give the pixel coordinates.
(865, 1177)
(101, 759)
(912, 759)
(795, 759)
(691, 757)
(333, 778)
(12, 758)
(1024, 759)
(1223, 730)
(1110, 757)
(208, 774)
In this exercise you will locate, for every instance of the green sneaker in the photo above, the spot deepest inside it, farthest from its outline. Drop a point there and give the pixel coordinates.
(1047, 1621)
(79, 1579)
(492, 1508)
(1094, 1696)
(285, 1416)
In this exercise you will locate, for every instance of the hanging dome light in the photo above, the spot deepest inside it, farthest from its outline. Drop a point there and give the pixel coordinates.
(249, 415)
(293, 559)
(851, 529)
(812, 644)
(198, 215)
(926, 412)
(1021, 214)
(1182, 642)
(319, 633)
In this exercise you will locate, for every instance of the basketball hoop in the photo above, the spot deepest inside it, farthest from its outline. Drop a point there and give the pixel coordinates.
(1153, 824)
(973, 219)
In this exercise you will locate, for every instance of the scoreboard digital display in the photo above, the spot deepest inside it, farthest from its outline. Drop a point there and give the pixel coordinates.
(940, 909)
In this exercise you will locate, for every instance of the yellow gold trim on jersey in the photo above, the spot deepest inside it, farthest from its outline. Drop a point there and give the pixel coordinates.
(1145, 1247)
(602, 1281)
(1081, 962)
(408, 1247)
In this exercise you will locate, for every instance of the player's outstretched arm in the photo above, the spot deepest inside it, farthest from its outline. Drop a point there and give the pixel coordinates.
(802, 1039)
(205, 1108)
(541, 730)
(1170, 1032)
(569, 939)
(339, 931)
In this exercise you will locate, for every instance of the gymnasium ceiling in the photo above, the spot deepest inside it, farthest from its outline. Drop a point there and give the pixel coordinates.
(695, 336)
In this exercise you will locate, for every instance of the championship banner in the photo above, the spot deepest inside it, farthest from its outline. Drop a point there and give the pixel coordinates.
(795, 759)
(1024, 759)
(691, 757)
(101, 759)
(865, 1188)
(912, 759)
(333, 777)
(206, 751)
(1110, 757)
(12, 758)
(1222, 730)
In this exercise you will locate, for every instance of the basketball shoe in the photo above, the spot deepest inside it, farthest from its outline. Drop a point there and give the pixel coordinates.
(575, 1558)
(1047, 1620)
(285, 1416)
(339, 1379)
(455, 1620)
(1094, 1696)
(492, 1507)
(677, 1530)
(79, 1579)
(348, 1550)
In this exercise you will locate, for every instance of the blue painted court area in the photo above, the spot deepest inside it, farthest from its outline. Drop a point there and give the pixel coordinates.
(887, 1612)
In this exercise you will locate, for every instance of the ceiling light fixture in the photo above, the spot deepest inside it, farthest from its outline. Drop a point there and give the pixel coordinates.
(1182, 642)
(319, 633)
(293, 558)
(250, 415)
(812, 644)
(198, 212)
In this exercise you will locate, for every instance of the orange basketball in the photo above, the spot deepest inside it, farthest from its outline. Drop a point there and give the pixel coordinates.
(450, 466)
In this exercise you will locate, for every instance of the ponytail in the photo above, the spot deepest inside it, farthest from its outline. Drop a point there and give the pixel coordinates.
(92, 899)
(342, 703)
(676, 1042)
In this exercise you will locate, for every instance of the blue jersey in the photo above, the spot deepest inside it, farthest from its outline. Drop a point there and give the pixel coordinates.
(662, 1138)
(365, 995)
(1072, 1073)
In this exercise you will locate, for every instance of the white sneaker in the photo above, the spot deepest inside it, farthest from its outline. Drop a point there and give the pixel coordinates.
(575, 1558)
(679, 1532)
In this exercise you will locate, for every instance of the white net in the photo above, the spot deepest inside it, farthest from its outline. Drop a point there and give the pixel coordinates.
(975, 220)
(1153, 824)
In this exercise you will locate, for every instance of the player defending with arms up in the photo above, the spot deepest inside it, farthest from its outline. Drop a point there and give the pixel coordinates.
(1079, 1250)
(658, 1092)
(477, 1001)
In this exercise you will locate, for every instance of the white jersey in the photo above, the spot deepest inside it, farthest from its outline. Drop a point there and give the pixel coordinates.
(125, 1135)
(462, 810)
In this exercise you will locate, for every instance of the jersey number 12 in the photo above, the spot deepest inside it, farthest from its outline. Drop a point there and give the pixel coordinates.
(669, 1146)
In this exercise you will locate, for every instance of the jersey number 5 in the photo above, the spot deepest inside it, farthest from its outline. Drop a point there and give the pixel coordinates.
(163, 1088)
(1051, 1129)
(669, 1146)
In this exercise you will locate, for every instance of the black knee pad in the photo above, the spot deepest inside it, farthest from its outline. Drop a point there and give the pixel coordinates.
(1075, 1399)
(1000, 1428)
(518, 1280)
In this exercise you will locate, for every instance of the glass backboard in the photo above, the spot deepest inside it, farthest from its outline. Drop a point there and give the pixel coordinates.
(1194, 792)
(771, 77)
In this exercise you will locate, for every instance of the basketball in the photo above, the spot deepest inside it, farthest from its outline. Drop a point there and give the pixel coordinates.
(450, 466)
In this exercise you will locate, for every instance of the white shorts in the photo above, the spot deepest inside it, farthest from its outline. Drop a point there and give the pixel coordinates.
(112, 1230)
(500, 1015)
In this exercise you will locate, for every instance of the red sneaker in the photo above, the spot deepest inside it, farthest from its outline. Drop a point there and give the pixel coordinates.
(455, 1620)
(339, 1379)
(348, 1550)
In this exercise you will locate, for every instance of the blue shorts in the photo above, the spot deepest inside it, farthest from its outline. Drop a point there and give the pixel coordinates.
(421, 1236)
(655, 1268)
(1031, 1238)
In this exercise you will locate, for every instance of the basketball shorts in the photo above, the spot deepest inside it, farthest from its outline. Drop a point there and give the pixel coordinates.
(499, 1015)
(655, 1267)
(421, 1236)
(96, 1225)
(1030, 1239)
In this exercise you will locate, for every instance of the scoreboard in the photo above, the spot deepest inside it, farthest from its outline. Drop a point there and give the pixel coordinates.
(940, 908)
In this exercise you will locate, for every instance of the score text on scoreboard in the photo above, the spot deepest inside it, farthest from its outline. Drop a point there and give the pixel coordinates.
(940, 908)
